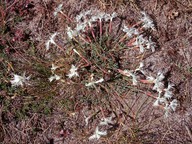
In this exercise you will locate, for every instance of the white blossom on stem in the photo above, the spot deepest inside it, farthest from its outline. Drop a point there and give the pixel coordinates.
(170, 107)
(51, 40)
(173, 104)
(168, 91)
(159, 101)
(53, 67)
(167, 110)
(73, 72)
(129, 73)
(18, 80)
(150, 78)
(140, 42)
(130, 31)
(97, 134)
(54, 77)
(57, 10)
(113, 15)
(94, 82)
(147, 22)
(70, 33)
(150, 45)
(101, 16)
(106, 121)
(140, 68)
(159, 86)
(110, 16)
(80, 27)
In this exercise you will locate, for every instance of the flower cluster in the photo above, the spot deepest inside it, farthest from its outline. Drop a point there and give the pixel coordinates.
(165, 95)
(166, 100)
(54, 76)
(104, 122)
(141, 42)
(147, 22)
(72, 73)
(87, 20)
(92, 19)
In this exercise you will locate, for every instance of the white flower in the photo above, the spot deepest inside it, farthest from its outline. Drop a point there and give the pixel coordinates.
(53, 37)
(58, 9)
(53, 67)
(140, 41)
(106, 121)
(94, 18)
(147, 22)
(110, 16)
(173, 105)
(51, 40)
(159, 86)
(56, 77)
(87, 120)
(97, 134)
(129, 73)
(80, 27)
(160, 101)
(141, 65)
(167, 110)
(170, 107)
(82, 15)
(160, 76)
(156, 103)
(113, 15)
(101, 16)
(140, 68)
(94, 82)
(168, 93)
(47, 45)
(79, 17)
(150, 45)
(71, 33)
(150, 79)
(130, 31)
(134, 79)
(107, 17)
(18, 80)
(73, 72)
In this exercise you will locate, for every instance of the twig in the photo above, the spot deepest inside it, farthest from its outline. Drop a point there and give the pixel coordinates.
(63, 14)
(11, 5)
(188, 131)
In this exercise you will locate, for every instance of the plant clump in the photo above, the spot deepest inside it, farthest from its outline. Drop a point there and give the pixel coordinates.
(95, 45)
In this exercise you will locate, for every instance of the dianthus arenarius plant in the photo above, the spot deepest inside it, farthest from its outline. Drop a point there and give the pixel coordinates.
(95, 43)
